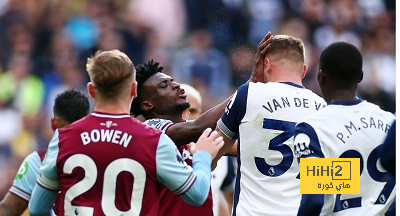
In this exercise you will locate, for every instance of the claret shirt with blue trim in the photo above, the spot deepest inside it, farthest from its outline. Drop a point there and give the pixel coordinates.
(107, 164)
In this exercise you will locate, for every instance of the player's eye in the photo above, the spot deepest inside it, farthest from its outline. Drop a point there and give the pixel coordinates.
(163, 85)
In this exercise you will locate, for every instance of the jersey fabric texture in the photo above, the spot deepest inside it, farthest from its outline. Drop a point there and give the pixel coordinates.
(262, 116)
(352, 129)
(28, 172)
(108, 164)
(171, 204)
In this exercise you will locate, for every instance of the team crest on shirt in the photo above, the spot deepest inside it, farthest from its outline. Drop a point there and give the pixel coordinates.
(302, 145)
(23, 169)
(186, 155)
(108, 124)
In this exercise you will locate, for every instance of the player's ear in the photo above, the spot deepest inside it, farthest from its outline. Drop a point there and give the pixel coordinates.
(53, 124)
(360, 77)
(304, 72)
(134, 89)
(267, 68)
(266, 63)
(321, 77)
(90, 89)
(146, 106)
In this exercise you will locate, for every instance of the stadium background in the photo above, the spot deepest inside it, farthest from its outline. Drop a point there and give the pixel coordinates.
(207, 43)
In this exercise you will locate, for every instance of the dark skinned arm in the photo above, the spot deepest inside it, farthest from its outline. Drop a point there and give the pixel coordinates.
(228, 144)
(186, 132)
(12, 205)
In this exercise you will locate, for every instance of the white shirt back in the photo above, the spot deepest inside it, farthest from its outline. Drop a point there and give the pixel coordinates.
(350, 130)
(262, 117)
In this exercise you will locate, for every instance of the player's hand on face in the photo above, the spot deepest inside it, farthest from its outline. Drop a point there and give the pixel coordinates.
(209, 142)
(257, 74)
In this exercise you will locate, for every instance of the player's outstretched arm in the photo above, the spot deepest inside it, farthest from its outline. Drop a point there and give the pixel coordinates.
(207, 143)
(186, 132)
(12, 205)
(192, 184)
(204, 141)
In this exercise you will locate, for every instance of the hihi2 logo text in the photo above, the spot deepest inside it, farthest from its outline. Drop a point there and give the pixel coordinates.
(329, 175)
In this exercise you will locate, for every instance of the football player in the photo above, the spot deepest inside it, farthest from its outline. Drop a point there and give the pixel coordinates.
(161, 101)
(262, 116)
(348, 127)
(109, 163)
(69, 107)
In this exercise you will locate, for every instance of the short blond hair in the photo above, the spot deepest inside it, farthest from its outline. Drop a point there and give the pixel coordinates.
(110, 72)
(286, 47)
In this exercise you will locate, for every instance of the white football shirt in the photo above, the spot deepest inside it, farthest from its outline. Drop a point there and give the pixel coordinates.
(352, 129)
(262, 116)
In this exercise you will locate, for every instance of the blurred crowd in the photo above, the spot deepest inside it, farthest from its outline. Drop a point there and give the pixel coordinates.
(209, 44)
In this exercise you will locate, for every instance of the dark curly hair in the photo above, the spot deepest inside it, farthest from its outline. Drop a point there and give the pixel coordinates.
(143, 73)
(71, 105)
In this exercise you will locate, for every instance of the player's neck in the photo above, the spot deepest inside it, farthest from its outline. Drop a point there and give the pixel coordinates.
(341, 95)
(116, 107)
(286, 77)
(334, 92)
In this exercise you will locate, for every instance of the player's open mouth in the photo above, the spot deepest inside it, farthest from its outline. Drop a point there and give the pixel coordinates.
(182, 94)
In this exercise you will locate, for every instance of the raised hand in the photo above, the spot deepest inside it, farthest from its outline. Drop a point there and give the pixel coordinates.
(257, 74)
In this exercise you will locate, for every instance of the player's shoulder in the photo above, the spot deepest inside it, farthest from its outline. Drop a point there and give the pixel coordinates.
(34, 156)
(375, 108)
(158, 123)
(144, 132)
(317, 98)
(150, 130)
(319, 117)
(28, 169)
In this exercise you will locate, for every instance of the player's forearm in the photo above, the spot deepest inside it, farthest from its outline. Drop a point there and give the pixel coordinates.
(186, 132)
(210, 117)
(6, 210)
(12, 205)
(198, 192)
(233, 150)
(42, 201)
(228, 144)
